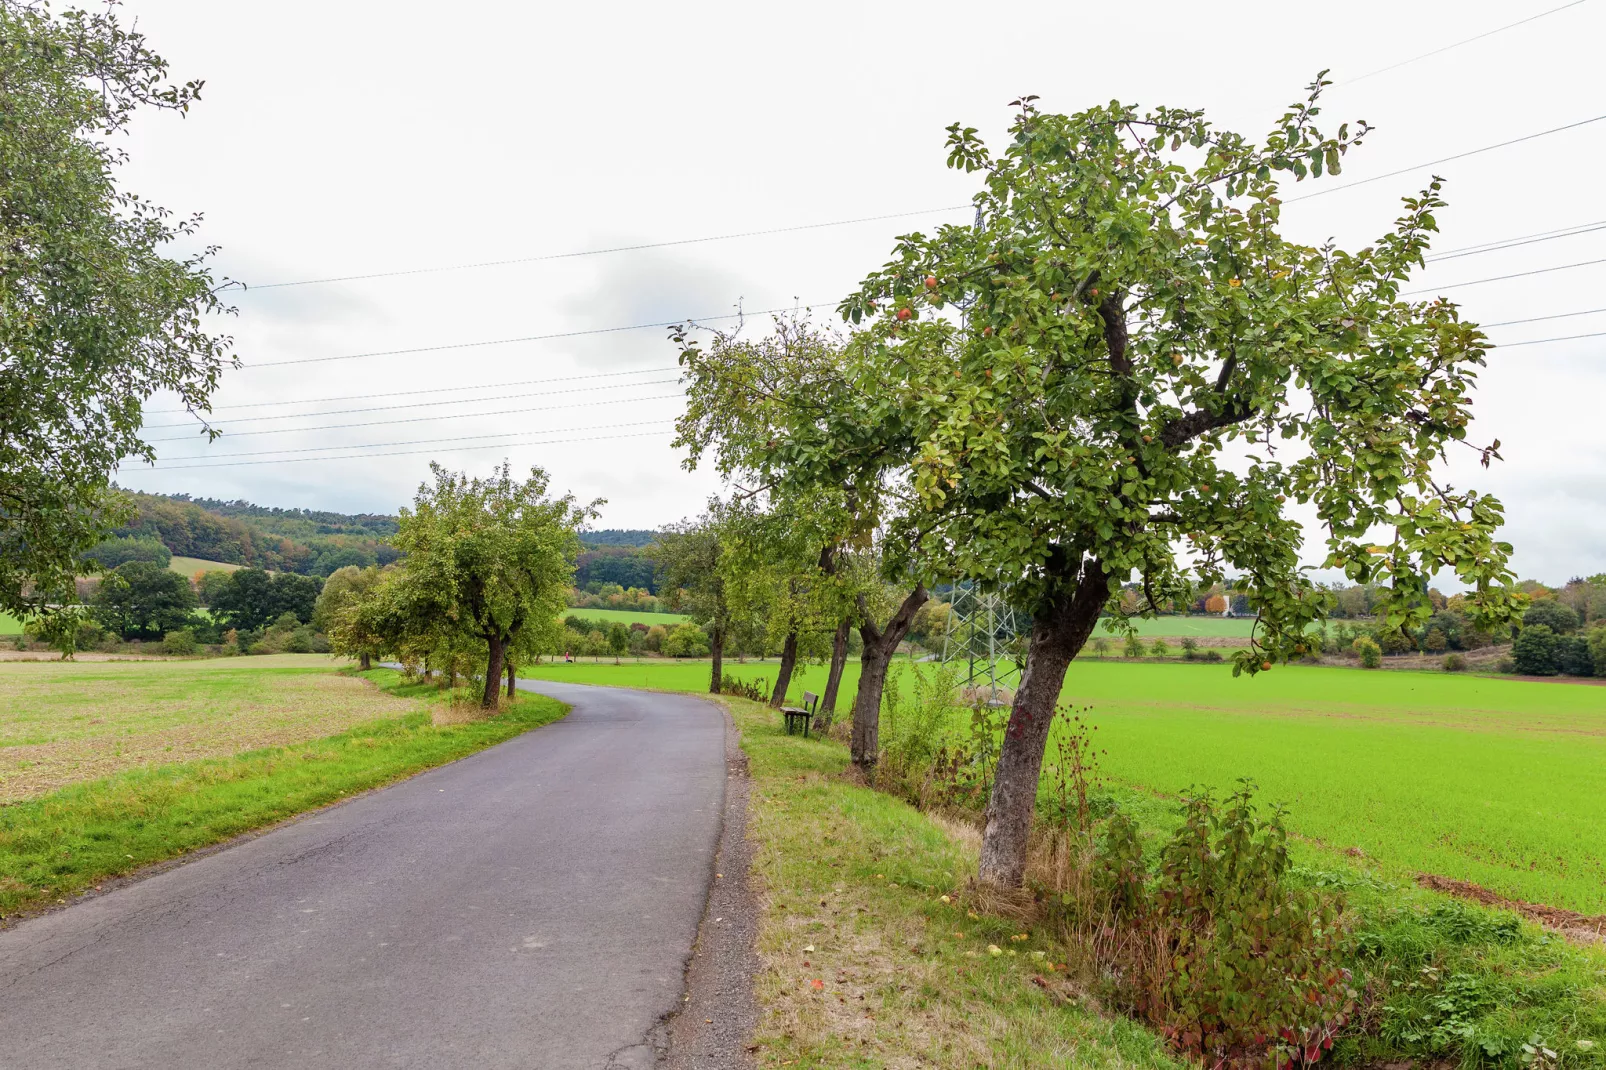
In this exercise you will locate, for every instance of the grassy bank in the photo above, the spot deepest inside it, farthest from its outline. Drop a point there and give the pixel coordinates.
(63, 842)
(864, 964)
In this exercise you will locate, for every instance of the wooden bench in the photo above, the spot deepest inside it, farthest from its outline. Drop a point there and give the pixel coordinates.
(801, 715)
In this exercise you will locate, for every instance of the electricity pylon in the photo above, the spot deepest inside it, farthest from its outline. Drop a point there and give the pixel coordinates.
(982, 639)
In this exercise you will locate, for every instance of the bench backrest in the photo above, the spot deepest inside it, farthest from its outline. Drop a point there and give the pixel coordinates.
(810, 700)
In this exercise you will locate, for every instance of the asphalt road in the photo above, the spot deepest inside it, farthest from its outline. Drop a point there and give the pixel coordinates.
(531, 906)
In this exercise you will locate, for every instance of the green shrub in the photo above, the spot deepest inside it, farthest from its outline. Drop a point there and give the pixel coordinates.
(1573, 656)
(1597, 648)
(730, 685)
(1160, 649)
(1536, 649)
(1454, 663)
(1234, 962)
(1369, 652)
(1558, 617)
(179, 643)
(686, 641)
(1134, 647)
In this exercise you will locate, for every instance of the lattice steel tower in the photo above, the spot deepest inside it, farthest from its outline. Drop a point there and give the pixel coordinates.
(982, 638)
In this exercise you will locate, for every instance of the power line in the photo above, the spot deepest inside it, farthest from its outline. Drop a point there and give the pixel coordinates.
(432, 404)
(1443, 159)
(1512, 243)
(265, 454)
(1458, 44)
(611, 249)
(1542, 341)
(406, 453)
(431, 390)
(429, 419)
(530, 337)
(1503, 278)
(1536, 319)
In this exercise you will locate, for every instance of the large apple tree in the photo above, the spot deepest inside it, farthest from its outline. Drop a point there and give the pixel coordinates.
(1124, 371)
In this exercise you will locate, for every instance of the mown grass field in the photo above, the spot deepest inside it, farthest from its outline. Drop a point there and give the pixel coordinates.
(628, 616)
(280, 735)
(10, 625)
(63, 722)
(1500, 782)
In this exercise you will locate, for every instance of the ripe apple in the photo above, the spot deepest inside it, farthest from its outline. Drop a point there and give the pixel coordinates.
(904, 313)
(931, 282)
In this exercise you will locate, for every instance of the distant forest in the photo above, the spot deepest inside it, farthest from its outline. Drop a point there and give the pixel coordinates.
(315, 542)
(239, 533)
(618, 537)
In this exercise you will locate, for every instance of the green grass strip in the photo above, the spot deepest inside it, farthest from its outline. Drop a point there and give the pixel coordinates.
(60, 844)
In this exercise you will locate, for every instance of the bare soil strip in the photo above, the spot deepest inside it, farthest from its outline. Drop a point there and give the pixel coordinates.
(1588, 927)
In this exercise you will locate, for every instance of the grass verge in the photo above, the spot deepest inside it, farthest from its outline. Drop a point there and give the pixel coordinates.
(865, 965)
(63, 843)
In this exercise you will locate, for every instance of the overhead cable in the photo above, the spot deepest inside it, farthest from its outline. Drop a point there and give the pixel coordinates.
(1502, 278)
(433, 403)
(1443, 159)
(532, 337)
(1458, 44)
(405, 453)
(268, 454)
(430, 390)
(610, 249)
(429, 419)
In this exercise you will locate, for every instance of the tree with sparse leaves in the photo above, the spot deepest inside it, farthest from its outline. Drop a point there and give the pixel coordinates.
(760, 405)
(94, 316)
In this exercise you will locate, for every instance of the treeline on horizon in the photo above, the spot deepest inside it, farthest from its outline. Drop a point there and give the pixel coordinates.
(613, 561)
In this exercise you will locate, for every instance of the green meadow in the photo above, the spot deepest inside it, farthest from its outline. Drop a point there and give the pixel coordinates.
(1501, 782)
(628, 616)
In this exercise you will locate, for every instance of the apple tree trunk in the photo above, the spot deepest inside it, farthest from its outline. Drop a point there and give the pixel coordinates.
(493, 671)
(880, 644)
(783, 677)
(716, 647)
(1060, 629)
(833, 678)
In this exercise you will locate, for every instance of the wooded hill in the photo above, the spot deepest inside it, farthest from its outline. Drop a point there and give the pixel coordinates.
(285, 540)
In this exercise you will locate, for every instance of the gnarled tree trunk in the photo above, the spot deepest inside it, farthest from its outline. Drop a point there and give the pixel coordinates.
(833, 678)
(512, 677)
(880, 644)
(783, 677)
(716, 647)
(493, 672)
(1060, 628)
(365, 661)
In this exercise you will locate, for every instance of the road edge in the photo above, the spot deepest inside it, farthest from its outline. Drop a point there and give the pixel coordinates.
(714, 1025)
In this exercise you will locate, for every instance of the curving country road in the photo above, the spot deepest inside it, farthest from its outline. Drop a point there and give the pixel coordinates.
(530, 906)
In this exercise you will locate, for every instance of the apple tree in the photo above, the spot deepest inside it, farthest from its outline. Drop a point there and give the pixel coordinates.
(496, 556)
(1124, 371)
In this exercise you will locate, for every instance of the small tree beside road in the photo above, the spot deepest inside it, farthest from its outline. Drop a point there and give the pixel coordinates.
(497, 553)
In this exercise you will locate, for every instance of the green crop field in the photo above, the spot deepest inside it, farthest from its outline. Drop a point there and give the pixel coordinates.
(10, 625)
(189, 566)
(628, 616)
(1501, 782)
(1201, 627)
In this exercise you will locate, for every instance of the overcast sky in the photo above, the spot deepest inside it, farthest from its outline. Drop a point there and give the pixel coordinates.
(341, 138)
